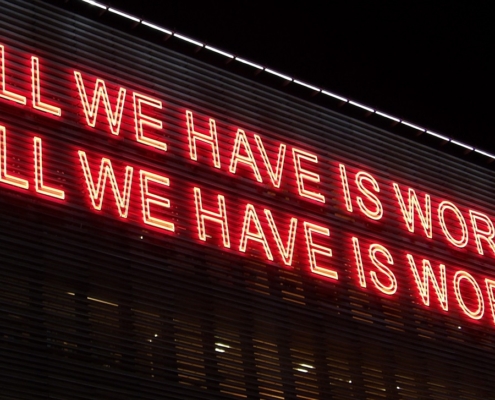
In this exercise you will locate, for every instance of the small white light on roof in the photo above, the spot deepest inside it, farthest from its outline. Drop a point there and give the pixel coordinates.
(307, 366)
(222, 345)
(270, 71)
(361, 106)
(484, 153)
(413, 126)
(302, 370)
(94, 3)
(334, 95)
(223, 53)
(242, 60)
(306, 85)
(438, 135)
(158, 28)
(188, 39)
(219, 350)
(122, 14)
(387, 116)
(466, 146)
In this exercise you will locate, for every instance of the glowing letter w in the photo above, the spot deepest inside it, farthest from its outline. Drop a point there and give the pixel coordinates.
(100, 93)
(423, 283)
(425, 217)
(97, 191)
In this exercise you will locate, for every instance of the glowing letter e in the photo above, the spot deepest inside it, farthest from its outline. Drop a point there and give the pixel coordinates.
(314, 249)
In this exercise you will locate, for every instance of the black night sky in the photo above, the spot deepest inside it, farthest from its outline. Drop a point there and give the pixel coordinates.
(430, 64)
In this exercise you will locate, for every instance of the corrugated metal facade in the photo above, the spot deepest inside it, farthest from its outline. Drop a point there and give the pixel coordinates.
(97, 306)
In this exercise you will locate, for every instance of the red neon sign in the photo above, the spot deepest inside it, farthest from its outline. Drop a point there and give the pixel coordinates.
(240, 220)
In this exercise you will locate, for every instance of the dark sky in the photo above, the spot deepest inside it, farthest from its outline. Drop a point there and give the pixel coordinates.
(430, 64)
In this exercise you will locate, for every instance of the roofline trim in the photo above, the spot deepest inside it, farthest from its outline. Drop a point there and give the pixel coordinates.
(283, 76)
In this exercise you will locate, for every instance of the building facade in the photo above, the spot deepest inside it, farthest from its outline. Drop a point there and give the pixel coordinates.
(170, 228)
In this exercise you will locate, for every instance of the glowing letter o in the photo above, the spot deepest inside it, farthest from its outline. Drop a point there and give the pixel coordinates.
(447, 205)
(458, 277)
